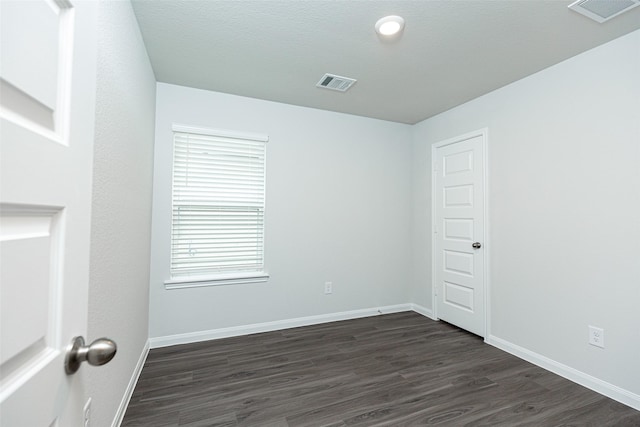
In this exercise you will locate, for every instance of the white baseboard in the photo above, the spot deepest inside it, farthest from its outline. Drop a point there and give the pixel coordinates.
(234, 331)
(614, 392)
(426, 312)
(117, 420)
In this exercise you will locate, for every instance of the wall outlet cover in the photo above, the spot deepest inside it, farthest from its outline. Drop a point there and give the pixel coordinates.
(328, 288)
(86, 413)
(596, 336)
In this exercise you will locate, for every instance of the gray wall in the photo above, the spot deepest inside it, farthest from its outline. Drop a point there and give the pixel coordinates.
(121, 206)
(337, 209)
(564, 210)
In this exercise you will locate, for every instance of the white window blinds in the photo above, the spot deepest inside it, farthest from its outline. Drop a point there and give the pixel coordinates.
(218, 204)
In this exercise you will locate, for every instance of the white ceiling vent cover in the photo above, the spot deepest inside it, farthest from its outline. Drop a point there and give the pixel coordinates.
(333, 82)
(603, 10)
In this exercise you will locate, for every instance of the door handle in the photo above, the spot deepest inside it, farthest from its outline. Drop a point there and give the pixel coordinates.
(97, 353)
(476, 245)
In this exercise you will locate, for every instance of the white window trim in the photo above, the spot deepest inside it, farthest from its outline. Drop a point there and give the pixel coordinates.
(220, 132)
(218, 279)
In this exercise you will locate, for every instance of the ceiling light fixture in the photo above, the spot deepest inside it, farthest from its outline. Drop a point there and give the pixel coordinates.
(390, 25)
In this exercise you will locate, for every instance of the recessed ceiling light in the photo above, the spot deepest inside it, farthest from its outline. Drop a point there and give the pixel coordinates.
(390, 25)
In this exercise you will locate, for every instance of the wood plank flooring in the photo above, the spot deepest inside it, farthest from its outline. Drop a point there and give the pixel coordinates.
(392, 370)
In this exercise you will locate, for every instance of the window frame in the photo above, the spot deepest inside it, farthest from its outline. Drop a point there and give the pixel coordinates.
(229, 277)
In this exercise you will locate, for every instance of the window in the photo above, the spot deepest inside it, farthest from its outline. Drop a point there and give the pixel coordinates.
(218, 201)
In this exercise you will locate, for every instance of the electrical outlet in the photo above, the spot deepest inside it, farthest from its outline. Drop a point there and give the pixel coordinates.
(596, 336)
(86, 413)
(328, 288)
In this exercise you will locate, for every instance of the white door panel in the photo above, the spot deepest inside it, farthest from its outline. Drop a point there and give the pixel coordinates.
(47, 101)
(458, 223)
(458, 229)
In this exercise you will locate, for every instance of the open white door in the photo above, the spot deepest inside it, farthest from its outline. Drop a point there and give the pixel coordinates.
(459, 230)
(47, 102)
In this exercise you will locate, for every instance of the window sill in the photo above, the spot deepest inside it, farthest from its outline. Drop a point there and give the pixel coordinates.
(217, 280)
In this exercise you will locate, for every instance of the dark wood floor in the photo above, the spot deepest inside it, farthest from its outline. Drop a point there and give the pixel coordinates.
(393, 370)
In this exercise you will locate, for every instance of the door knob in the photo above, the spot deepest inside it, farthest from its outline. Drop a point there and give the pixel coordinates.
(476, 245)
(97, 353)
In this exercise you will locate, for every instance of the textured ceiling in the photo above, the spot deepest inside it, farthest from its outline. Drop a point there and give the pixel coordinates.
(451, 51)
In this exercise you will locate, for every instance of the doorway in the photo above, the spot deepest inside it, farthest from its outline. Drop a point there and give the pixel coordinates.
(459, 242)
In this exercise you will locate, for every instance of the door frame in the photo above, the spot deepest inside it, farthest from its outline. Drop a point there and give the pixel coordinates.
(484, 134)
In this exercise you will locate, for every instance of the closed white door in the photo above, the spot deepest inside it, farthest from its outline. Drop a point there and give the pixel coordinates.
(459, 232)
(47, 102)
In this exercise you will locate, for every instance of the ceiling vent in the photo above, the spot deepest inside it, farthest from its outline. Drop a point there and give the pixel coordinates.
(603, 10)
(333, 82)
